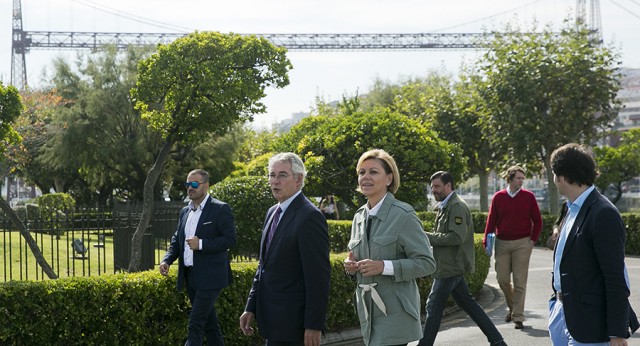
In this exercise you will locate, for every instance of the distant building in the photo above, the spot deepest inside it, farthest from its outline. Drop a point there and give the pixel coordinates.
(629, 95)
(286, 124)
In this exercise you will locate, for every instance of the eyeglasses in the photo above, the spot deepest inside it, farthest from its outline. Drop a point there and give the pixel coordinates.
(279, 176)
(193, 184)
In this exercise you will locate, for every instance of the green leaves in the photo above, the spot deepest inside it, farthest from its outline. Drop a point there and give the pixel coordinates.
(10, 109)
(206, 82)
(331, 146)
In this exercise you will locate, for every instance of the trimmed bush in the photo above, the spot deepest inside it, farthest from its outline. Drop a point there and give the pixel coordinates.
(124, 309)
(145, 308)
(249, 198)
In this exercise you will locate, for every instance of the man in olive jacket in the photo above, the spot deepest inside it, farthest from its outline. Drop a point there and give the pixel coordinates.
(453, 249)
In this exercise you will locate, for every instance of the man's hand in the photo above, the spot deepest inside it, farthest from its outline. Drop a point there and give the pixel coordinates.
(312, 337)
(618, 342)
(164, 268)
(245, 323)
(194, 243)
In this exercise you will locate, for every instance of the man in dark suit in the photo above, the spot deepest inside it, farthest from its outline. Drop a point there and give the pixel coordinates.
(205, 233)
(290, 291)
(590, 304)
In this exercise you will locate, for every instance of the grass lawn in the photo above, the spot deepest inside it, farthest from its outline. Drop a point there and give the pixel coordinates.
(18, 263)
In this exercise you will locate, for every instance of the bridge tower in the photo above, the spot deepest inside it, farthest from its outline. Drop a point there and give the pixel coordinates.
(591, 17)
(19, 49)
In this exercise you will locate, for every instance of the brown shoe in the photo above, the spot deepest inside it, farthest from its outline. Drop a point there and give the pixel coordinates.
(518, 325)
(508, 317)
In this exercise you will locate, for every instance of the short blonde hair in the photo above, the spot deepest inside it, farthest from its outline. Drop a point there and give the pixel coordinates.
(388, 163)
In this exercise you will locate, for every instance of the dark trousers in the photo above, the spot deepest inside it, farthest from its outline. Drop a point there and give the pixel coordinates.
(457, 287)
(203, 320)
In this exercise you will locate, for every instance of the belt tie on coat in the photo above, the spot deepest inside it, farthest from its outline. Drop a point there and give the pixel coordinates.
(374, 296)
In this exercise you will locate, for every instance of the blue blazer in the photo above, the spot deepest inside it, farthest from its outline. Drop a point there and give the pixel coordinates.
(595, 294)
(290, 291)
(211, 267)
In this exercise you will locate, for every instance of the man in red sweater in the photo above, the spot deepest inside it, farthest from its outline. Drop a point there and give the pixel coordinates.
(515, 218)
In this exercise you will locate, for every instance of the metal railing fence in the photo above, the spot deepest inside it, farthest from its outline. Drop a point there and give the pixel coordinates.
(85, 242)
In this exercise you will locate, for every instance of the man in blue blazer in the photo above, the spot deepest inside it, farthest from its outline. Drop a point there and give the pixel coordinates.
(590, 304)
(290, 291)
(205, 233)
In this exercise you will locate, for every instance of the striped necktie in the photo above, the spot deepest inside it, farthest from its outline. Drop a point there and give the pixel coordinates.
(274, 225)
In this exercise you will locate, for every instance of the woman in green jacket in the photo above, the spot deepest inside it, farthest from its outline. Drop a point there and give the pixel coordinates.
(388, 250)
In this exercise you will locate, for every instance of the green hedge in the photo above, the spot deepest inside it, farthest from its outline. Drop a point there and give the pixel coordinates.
(249, 198)
(145, 308)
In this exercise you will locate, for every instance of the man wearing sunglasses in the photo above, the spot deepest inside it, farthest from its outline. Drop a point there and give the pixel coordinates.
(205, 233)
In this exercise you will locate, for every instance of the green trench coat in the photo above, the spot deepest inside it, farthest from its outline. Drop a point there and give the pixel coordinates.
(396, 235)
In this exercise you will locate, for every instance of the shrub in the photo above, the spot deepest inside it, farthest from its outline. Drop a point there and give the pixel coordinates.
(249, 198)
(145, 308)
(51, 203)
(54, 208)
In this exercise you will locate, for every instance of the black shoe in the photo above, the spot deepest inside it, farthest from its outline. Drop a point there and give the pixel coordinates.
(508, 317)
(518, 325)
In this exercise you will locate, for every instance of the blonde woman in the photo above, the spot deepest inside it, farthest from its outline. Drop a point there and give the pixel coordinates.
(388, 250)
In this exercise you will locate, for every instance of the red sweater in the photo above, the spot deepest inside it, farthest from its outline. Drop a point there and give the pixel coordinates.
(514, 218)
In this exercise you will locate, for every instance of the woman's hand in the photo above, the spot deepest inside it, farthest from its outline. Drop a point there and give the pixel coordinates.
(351, 264)
(368, 267)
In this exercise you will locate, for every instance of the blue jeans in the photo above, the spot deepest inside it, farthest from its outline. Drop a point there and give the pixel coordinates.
(457, 287)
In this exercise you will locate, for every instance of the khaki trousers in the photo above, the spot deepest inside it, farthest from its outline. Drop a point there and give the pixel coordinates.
(512, 256)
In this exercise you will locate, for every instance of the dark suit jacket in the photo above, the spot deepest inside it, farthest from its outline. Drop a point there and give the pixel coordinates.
(290, 291)
(211, 268)
(595, 294)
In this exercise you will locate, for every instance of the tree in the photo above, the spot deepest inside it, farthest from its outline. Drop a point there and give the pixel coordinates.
(215, 154)
(455, 110)
(97, 138)
(33, 125)
(547, 89)
(10, 108)
(199, 84)
(457, 114)
(618, 165)
(331, 146)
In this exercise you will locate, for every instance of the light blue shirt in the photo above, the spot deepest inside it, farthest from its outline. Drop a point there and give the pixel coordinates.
(444, 202)
(573, 208)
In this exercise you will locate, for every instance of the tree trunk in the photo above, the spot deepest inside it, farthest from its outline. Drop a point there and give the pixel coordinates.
(29, 239)
(147, 206)
(552, 196)
(618, 189)
(484, 191)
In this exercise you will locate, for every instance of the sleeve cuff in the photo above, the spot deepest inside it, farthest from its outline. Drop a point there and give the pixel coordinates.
(388, 268)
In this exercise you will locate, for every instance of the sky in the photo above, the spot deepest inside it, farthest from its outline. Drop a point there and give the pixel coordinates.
(315, 74)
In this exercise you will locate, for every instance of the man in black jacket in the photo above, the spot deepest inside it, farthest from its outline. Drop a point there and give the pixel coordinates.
(590, 304)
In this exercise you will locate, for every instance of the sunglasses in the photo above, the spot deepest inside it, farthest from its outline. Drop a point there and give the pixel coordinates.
(193, 184)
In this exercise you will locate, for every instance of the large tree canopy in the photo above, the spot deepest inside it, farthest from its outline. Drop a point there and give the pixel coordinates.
(457, 111)
(331, 146)
(97, 138)
(546, 89)
(200, 84)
